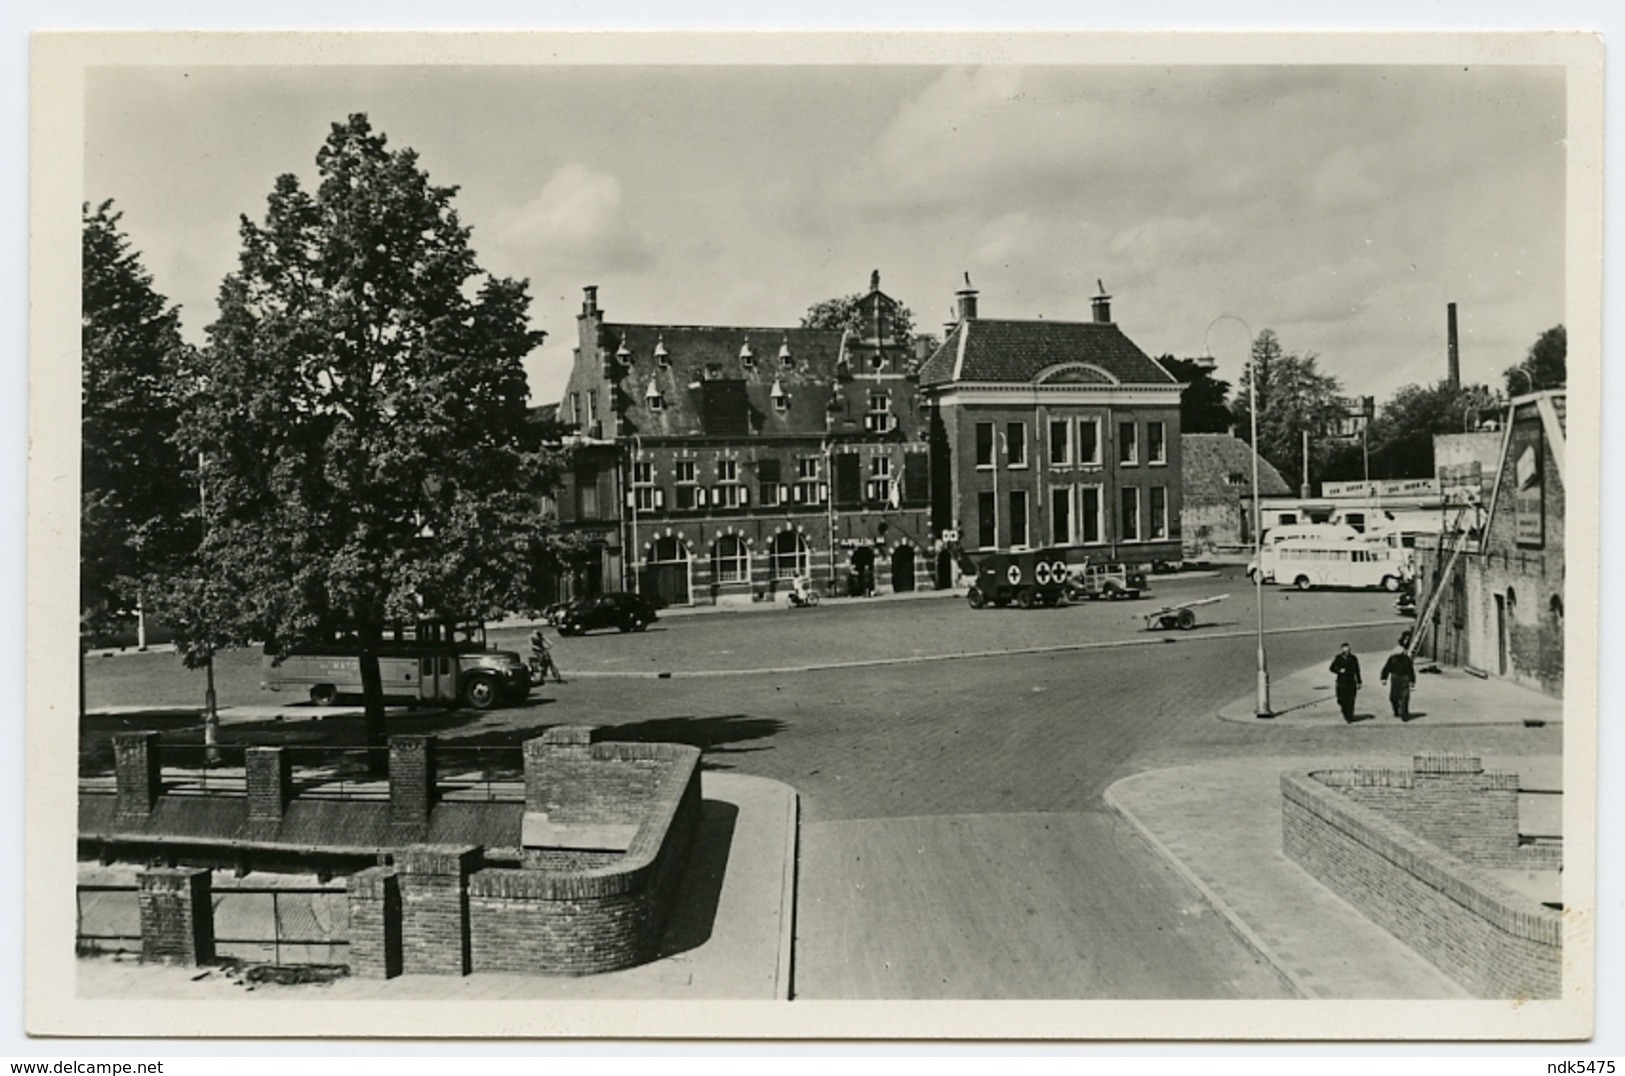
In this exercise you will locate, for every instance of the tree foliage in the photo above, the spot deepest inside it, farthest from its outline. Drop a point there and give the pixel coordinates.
(137, 489)
(1544, 367)
(1294, 395)
(846, 312)
(1204, 405)
(1401, 437)
(360, 409)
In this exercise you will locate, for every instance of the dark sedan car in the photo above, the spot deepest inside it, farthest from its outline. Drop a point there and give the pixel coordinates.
(628, 612)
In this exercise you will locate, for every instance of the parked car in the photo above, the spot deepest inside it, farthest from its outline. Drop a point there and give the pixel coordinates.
(628, 612)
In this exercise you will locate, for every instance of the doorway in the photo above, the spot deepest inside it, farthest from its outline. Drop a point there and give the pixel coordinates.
(902, 569)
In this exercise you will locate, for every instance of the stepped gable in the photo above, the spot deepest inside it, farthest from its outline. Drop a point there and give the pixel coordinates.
(1006, 351)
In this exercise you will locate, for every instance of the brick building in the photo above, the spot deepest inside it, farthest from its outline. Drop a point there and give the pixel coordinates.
(1216, 478)
(1053, 433)
(730, 459)
(1500, 606)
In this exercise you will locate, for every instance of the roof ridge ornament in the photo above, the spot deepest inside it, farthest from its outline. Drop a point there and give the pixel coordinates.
(661, 354)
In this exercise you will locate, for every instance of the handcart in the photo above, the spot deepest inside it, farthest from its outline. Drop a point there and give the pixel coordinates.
(1179, 616)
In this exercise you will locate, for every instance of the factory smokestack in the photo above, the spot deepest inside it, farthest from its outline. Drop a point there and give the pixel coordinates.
(1455, 350)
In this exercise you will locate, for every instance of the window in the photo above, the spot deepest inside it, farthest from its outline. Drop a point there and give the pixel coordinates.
(1089, 514)
(654, 398)
(1159, 511)
(1088, 440)
(643, 473)
(807, 489)
(1131, 514)
(1018, 517)
(730, 560)
(1156, 442)
(1016, 444)
(790, 556)
(686, 493)
(878, 491)
(767, 480)
(727, 470)
(1060, 441)
(586, 495)
(644, 497)
(848, 480)
(1060, 515)
(879, 418)
(984, 444)
(987, 521)
(728, 496)
(575, 408)
(916, 478)
(592, 410)
(1235, 478)
(1128, 443)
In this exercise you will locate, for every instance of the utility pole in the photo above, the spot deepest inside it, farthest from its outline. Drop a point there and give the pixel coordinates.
(1304, 489)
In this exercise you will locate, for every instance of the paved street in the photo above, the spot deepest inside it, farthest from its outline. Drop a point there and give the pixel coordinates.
(955, 839)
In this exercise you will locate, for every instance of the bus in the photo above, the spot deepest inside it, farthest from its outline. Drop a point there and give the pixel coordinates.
(435, 661)
(1308, 563)
(1325, 533)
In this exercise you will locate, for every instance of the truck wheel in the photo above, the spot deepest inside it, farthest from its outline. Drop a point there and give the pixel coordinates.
(481, 693)
(1302, 582)
(1025, 599)
(324, 695)
(976, 598)
(1390, 583)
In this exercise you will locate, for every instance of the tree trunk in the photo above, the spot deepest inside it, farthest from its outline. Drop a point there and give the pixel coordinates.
(372, 693)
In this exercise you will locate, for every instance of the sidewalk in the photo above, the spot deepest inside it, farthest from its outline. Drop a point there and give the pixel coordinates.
(1450, 697)
(729, 935)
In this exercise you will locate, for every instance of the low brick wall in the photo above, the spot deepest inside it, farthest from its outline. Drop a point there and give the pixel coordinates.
(599, 917)
(1496, 943)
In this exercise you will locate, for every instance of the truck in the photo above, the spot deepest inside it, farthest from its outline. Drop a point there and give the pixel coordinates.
(1026, 578)
(435, 661)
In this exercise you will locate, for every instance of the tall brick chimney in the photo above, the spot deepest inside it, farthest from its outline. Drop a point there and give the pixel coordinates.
(1455, 348)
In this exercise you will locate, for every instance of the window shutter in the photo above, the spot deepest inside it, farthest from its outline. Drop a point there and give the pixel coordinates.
(631, 498)
(716, 495)
(799, 497)
(699, 496)
(783, 495)
(744, 494)
(823, 492)
(660, 498)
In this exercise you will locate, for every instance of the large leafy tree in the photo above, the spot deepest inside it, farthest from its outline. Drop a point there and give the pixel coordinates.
(1546, 366)
(361, 415)
(1401, 437)
(1204, 405)
(1294, 395)
(846, 312)
(137, 490)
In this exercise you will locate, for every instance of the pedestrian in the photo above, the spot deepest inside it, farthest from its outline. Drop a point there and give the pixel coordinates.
(541, 658)
(1399, 673)
(1346, 667)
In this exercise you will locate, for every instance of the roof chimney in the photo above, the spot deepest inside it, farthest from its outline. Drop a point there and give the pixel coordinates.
(1454, 373)
(967, 301)
(1102, 304)
(589, 304)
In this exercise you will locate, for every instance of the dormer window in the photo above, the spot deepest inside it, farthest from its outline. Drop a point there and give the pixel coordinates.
(662, 356)
(624, 353)
(781, 399)
(747, 356)
(653, 397)
(786, 360)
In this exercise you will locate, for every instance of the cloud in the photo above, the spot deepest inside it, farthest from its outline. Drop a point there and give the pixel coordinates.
(577, 219)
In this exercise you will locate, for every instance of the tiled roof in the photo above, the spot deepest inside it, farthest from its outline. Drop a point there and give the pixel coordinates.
(695, 354)
(1207, 460)
(1018, 351)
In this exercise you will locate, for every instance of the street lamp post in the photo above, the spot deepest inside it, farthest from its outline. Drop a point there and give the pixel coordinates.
(1261, 708)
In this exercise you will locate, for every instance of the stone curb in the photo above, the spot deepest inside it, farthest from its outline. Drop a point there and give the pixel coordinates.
(1237, 925)
(785, 972)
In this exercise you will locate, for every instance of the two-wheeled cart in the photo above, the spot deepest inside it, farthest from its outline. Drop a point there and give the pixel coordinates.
(1181, 616)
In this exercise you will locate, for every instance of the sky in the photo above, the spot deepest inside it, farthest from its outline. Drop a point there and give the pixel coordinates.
(1342, 207)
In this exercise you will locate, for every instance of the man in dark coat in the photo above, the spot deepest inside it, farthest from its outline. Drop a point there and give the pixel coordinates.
(1346, 667)
(1399, 673)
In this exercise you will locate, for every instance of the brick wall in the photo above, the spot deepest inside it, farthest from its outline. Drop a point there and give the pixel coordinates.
(411, 786)
(375, 923)
(1493, 941)
(434, 908)
(135, 770)
(1444, 798)
(603, 917)
(269, 782)
(177, 916)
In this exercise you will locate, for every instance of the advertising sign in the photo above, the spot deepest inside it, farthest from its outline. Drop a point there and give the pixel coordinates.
(1528, 505)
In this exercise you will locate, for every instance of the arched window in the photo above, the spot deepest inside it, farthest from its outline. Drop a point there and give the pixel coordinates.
(730, 560)
(790, 555)
(1512, 606)
(1557, 609)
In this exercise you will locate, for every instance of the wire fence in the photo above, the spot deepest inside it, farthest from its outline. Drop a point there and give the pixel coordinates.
(339, 773)
(107, 918)
(488, 774)
(285, 925)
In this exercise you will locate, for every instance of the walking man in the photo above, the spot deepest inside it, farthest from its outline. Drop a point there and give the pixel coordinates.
(1346, 667)
(1399, 673)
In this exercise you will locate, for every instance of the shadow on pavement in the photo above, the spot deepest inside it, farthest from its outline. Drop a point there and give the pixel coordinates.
(712, 735)
(695, 911)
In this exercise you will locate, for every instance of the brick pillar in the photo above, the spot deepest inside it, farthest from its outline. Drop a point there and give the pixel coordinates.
(411, 787)
(177, 915)
(375, 923)
(434, 908)
(135, 769)
(1462, 809)
(270, 785)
